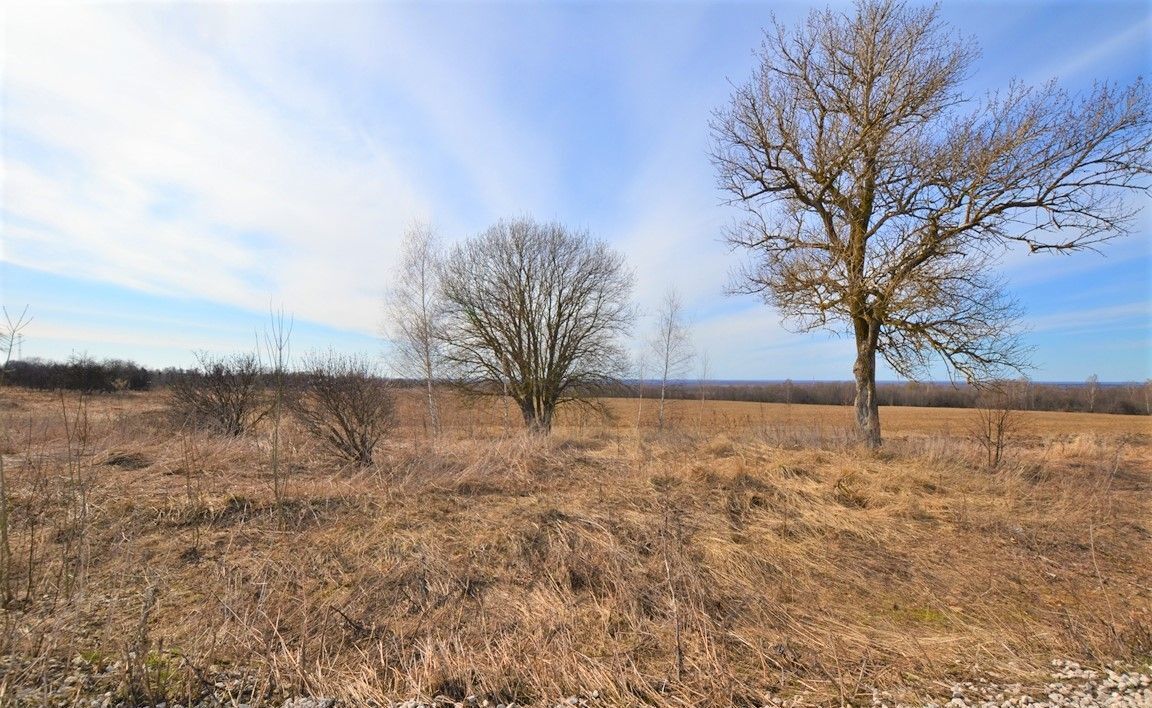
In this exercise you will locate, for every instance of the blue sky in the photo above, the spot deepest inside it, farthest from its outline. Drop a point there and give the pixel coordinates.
(172, 171)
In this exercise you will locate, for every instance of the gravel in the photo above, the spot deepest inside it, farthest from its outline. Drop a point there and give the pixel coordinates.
(1070, 685)
(83, 683)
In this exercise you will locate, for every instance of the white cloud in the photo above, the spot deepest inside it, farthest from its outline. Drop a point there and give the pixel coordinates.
(243, 153)
(128, 115)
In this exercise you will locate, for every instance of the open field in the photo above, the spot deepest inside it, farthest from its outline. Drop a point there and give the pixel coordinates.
(749, 551)
(693, 416)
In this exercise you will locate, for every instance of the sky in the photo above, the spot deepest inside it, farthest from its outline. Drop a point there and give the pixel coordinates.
(173, 172)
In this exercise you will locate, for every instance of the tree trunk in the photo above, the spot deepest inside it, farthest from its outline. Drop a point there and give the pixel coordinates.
(537, 416)
(660, 409)
(433, 415)
(867, 405)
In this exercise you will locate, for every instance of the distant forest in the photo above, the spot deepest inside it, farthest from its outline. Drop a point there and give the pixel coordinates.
(114, 375)
(1087, 397)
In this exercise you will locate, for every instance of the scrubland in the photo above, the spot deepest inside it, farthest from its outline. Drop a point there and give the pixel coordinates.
(747, 551)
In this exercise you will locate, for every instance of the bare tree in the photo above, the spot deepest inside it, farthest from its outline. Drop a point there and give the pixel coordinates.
(415, 310)
(641, 364)
(998, 420)
(537, 308)
(11, 335)
(1091, 387)
(225, 393)
(277, 344)
(346, 405)
(671, 346)
(877, 201)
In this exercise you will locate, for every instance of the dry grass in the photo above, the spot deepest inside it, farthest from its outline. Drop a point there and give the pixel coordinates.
(750, 551)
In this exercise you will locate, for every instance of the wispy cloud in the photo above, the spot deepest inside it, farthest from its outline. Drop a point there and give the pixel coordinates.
(243, 154)
(1138, 314)
(1093, 54)
(265, 208)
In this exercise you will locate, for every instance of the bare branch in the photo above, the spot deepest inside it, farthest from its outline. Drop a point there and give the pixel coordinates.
(877, 194)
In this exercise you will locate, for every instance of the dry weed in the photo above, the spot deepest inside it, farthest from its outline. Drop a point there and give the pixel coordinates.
(696, 568)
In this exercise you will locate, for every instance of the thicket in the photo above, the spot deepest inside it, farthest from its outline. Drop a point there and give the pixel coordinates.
(80, 373)
(224, 393)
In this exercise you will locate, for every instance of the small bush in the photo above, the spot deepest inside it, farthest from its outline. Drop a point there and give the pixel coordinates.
(345, 405)
(225, 394)
(998, 421)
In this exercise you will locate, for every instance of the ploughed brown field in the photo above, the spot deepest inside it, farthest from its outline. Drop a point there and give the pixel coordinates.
(747, 550)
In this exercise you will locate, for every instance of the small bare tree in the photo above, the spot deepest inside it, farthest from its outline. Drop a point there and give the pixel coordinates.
(671, 346)
(415, 311)
(11, 333)
(641, 370)
(879, 197)
(998, 419)
(277, 345)
(538, 308)
(1091, 388)
(225, 393)
(345, 404)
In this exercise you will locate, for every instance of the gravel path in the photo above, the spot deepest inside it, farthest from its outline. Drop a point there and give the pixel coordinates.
(1070, 685)
(81, 683)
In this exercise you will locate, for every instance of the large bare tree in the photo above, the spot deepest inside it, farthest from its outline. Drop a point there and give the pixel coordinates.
(414, 311)
(536, 310)
(878, 197)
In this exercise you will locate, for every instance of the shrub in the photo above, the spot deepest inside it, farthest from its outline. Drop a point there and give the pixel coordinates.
(345, 405)
(998, 422)
(223, 393)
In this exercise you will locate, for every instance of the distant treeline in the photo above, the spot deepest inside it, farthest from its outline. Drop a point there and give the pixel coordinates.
(1125, 399)
(80, 373)
(89, 375)
(110, 375)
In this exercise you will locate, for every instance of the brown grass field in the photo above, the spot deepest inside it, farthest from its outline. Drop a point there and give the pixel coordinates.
(748, 551)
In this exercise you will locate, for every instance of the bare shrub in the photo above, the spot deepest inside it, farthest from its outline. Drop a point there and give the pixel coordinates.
(998, 421)
(10, 337)
(224, 393)
(346, 405)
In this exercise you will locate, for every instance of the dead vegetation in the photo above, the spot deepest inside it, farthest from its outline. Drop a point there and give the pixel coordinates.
(710, 564)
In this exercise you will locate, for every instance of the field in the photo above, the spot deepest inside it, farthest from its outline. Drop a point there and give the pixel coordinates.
(748, 551)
